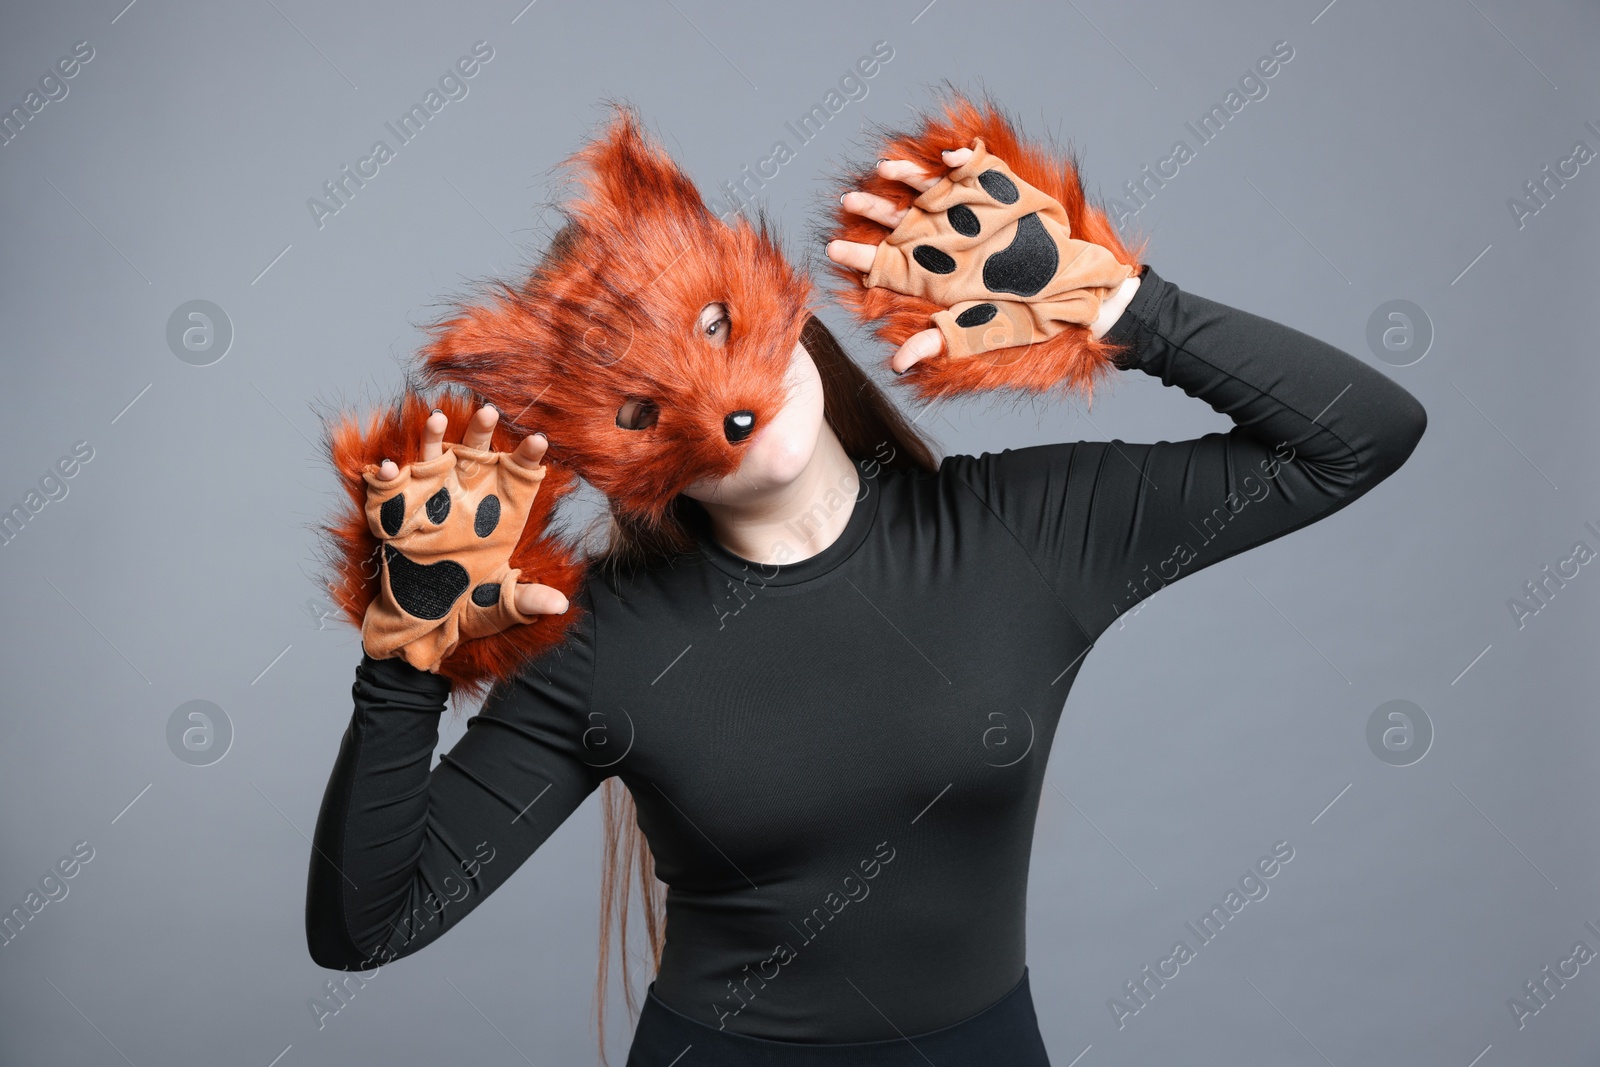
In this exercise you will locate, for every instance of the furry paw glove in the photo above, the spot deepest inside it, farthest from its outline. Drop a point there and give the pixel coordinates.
(447, 527)
(425, 565)
(999, 256)
(1005, 255)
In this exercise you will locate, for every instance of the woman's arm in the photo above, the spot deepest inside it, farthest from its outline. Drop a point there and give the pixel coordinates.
(1109, 523)
(402, 854)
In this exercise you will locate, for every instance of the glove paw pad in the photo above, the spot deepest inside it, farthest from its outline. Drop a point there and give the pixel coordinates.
(1027, 264)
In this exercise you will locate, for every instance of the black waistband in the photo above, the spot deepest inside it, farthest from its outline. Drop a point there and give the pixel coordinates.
(1005, 1034)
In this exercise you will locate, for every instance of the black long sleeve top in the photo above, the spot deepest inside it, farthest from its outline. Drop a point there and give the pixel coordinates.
(838, 762)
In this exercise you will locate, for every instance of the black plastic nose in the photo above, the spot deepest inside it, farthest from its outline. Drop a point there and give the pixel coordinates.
(739, 425)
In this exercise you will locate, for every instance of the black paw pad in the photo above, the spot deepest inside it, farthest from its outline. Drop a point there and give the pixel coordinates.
(977, 315)
(438, 506)
(424, 590)
(488, 516)
(1028, 264)
(963, 220)
(393, 514)
(486, 595)
(933, 260)
(999, 186)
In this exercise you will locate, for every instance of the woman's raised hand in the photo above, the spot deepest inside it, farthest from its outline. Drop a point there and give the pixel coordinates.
(858, 256)
(1002, 258)
(531, 598)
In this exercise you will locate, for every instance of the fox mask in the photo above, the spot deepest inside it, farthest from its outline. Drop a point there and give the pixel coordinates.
(614, 316)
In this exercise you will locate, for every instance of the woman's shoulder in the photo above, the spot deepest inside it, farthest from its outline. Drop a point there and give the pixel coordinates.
(617, 590)
(959, 484)
(1028, 476)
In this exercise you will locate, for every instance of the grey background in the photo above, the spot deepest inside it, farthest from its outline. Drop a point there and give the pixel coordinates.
(1223, 717)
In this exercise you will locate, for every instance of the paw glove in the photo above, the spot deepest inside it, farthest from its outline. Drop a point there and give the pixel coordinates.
(998, 255)
(447, 528)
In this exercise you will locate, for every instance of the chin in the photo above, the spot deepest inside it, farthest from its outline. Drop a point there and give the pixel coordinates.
(780, 452)
(777, 456)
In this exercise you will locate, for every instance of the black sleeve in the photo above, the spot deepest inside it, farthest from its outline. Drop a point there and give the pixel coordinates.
(401, 854)
(1109, 523)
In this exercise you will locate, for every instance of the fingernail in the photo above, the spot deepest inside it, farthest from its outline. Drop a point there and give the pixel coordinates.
(897, 372)
(882, 161)
(841, 198)
(490, 406)
(436, 411)
(540, 433)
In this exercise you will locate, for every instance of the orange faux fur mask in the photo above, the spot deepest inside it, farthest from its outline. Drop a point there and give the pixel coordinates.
(612, 315)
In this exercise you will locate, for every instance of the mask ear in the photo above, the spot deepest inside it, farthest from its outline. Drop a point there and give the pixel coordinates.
(629, 183)
(550, 352)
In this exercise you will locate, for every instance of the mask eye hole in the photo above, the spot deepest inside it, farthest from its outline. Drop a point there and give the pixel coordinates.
(637, 413)
(714, 324)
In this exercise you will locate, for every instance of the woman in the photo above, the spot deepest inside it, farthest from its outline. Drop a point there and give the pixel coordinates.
(830, 678)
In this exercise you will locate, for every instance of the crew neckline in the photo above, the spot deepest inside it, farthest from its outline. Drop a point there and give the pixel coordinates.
(862, 514)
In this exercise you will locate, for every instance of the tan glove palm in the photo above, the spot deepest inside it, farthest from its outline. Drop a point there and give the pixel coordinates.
(448, 526)
(999, 256)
